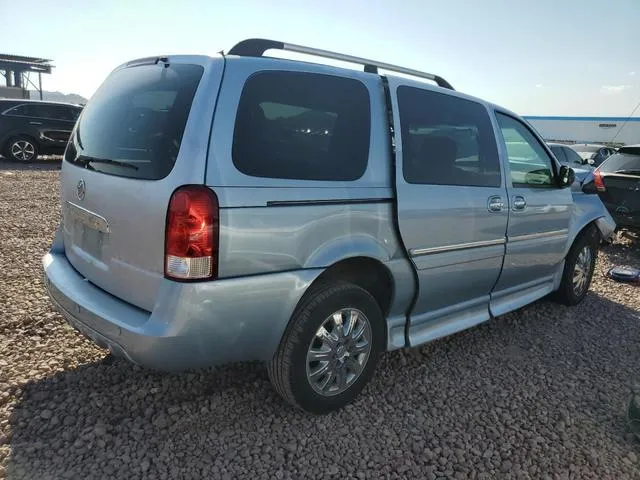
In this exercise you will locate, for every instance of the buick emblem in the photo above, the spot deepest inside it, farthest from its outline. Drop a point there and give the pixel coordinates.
(81, 190)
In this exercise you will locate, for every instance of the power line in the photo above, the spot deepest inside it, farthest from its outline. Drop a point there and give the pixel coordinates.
(625, 122)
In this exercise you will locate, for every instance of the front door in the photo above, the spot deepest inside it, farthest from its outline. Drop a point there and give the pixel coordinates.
(539, 215)
(452, 207)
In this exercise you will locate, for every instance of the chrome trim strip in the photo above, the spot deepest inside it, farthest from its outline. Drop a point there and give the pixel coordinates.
(415, 252)
(533, 236)
(92, 220)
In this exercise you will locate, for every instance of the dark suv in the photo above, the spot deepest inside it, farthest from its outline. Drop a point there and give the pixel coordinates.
(617, 182)
(29, 128)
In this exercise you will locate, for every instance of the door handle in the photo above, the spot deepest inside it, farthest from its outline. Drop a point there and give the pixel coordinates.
(495, 204)
(35, 123)
(519, 203)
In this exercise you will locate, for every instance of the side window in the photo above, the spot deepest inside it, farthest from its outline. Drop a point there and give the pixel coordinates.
(559, 152)
(42, 111)
(19, 111)
(304, 126)
(572, 156)
(64, 113)
(74, 112)
(446, 140)
(529, 162)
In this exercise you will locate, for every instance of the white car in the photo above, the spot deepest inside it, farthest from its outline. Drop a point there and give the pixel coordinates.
(593, 154)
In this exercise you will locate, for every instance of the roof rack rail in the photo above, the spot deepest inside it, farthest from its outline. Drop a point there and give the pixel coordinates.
(255, 47)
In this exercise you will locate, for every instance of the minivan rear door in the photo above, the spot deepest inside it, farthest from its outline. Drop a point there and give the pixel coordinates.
(451, 206)
(143, 134)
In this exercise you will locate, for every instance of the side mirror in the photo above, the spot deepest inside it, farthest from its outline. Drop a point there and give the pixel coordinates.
(566, 176)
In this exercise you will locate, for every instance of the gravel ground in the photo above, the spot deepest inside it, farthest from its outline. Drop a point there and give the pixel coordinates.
(539, 393)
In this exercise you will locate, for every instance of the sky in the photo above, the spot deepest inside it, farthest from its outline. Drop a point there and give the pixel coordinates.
(544, 57)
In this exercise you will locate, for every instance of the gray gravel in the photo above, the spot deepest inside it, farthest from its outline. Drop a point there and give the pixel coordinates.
(539, 393)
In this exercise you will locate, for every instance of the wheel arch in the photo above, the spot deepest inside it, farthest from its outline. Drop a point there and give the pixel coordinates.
(575, 235)
(4, 143)
(589, 212)
(563, 286)
(367, 273)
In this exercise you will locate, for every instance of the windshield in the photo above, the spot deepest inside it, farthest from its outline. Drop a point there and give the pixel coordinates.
(587, 148)
(136, 119)
(584, 154)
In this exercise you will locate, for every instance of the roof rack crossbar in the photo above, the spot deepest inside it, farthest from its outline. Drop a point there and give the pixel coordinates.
(256, 47)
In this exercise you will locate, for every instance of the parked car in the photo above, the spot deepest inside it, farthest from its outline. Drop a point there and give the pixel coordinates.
(617, 182)
(567, 156)
(305, 215)
(29, 128)
(593, 154)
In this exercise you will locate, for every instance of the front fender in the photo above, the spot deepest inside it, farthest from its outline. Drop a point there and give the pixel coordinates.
(589, 208)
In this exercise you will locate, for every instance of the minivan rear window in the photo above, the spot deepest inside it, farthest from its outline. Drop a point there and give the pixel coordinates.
(622, 163)
(133, 125)
(304, 126)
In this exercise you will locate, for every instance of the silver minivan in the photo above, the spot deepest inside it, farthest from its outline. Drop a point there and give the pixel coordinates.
(244, 207)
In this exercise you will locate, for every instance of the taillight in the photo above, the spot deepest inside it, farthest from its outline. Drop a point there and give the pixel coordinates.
(191, 236)
(597, 180)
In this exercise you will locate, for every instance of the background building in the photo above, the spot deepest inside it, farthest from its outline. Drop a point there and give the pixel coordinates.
(18, 74)
(606, 130)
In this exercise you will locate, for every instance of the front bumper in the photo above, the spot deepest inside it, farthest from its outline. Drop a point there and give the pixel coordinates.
(192, 325)
(607, 226)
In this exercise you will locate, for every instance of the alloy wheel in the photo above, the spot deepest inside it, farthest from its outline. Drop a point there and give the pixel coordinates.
(338, 352)
(581, 270)
(23, 150)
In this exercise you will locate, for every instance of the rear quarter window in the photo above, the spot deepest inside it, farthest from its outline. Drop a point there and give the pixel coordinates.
(303, 126)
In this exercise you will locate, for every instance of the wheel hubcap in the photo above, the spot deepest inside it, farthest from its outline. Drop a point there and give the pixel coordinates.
(581, 271)
(23, 150)
(338, 351)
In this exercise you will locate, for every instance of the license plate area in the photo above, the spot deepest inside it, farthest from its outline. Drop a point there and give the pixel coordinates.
(88, 239)
(89, 229)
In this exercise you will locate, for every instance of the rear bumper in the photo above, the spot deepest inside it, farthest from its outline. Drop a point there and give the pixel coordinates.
(192, 325)
(621, 217)
(630, 221)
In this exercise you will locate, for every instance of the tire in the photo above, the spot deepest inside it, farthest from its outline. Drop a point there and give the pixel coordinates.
(298, 378)
(572, 290)
(21, 149)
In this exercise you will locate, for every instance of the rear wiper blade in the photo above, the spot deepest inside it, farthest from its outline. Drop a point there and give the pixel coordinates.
(87, 160)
